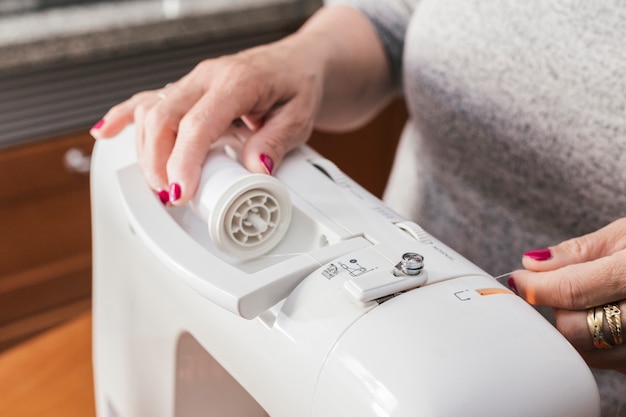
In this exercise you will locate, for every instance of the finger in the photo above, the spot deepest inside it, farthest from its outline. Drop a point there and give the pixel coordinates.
(160, 127)
(602, 242)
(576, 286)
(209, 117)
(156, 180)
(573, 324)
(285, 128)
(614, 359)
(196, 134)
(119, 116)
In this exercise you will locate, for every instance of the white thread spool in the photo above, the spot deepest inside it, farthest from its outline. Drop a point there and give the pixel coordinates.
(247, 214)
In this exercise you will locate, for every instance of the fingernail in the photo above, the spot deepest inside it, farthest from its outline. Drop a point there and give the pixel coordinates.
(175, 192)
(98, 125)
(267, 162)
(542, 254)
(164, 196)
(511, 283)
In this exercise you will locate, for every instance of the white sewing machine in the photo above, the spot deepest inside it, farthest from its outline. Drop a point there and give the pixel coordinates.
(305, 296)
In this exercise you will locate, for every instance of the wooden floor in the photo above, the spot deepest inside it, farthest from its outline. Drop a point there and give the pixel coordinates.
(50, 375)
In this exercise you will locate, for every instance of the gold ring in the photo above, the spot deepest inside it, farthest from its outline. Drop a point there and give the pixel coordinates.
(595, 319)
(614, 320)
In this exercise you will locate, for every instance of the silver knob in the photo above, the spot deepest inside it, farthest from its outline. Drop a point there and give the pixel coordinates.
(411, 264)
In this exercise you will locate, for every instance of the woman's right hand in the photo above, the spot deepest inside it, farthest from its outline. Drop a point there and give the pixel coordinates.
(279, 90)
(579, 277)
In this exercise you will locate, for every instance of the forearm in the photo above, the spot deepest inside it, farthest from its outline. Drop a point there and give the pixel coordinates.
(357, 79)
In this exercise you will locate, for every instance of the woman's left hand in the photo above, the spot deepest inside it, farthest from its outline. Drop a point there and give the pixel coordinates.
(578, 277)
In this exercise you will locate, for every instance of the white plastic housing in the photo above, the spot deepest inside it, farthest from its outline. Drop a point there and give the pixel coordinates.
(182, 330)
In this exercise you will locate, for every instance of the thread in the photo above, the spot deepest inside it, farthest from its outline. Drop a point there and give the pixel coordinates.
(247, 214)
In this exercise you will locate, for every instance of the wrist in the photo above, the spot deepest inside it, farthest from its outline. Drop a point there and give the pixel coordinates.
(344, 46)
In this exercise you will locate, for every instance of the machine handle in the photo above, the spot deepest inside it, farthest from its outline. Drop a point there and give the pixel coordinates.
(243, 293)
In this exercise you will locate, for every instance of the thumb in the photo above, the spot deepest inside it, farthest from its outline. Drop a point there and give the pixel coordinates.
(598, 244)
(575, 286)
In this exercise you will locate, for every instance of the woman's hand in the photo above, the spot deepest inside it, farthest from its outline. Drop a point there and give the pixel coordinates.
(575, 277)
(332, 72)
(276, 95)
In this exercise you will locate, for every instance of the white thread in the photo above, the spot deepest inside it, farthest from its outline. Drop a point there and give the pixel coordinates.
(247, 214)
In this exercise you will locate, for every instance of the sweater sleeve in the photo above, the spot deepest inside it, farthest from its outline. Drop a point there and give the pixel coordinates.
(390, 18)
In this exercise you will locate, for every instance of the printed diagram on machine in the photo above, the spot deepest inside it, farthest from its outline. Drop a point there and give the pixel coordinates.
(352, 267)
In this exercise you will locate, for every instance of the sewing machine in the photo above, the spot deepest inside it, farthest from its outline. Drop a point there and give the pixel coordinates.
(303, 295)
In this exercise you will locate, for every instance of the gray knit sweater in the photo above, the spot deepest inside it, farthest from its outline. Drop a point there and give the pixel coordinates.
(517, 130)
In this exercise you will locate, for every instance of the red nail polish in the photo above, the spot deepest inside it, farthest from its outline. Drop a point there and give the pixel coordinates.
(511, 283)
(175, 192)
(542, 254)
(164, 196)
(267, 162)
(98, 125)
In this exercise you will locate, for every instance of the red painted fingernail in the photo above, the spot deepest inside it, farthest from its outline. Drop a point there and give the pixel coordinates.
(164, 196)
(98, 125)
(542, 254)
(511, 283)
(267, 162)
(175, 192)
